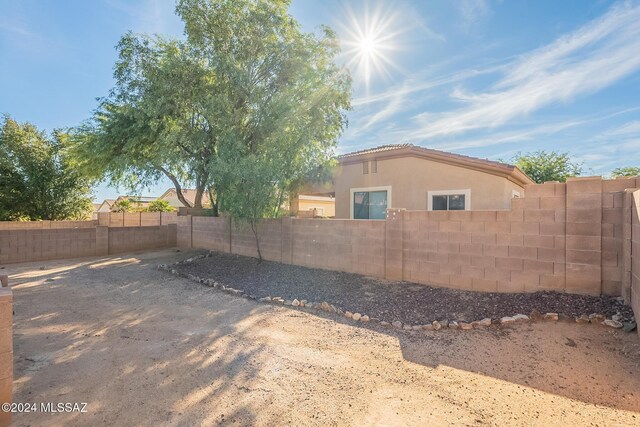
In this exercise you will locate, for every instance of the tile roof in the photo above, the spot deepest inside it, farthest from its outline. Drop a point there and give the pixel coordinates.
(442, 156)
(390, 147)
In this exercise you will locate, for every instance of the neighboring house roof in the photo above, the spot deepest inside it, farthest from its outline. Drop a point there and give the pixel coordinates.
(96, 206)
(138, 199)
(511, 172)
(108, 203)
(189, 195)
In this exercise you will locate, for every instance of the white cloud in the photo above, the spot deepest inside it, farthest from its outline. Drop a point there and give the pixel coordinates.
(592, 58)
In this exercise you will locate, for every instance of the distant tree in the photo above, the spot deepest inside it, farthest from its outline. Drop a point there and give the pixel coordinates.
(280, 101)
(36, 180)
(123, 205)
(542, 166)
(626, 171)
(160, 205)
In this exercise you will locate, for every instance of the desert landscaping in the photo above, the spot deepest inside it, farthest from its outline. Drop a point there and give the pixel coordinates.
(144, 347)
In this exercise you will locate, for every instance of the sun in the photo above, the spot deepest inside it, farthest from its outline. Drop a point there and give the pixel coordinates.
(368, 43)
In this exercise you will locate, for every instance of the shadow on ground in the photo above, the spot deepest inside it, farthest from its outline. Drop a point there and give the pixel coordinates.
(144, 347)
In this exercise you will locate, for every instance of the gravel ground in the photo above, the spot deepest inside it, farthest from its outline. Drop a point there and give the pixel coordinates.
(146, 348)
(408, 302)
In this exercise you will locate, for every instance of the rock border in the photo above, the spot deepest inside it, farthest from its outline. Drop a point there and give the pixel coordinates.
(436, 325)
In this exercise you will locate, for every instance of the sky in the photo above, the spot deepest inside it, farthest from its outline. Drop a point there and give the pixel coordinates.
(478, 77)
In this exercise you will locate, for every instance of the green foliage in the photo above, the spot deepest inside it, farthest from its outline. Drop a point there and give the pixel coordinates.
(36, 180)
(542, 166)
(280, 101)
(160, 205)
(626, 171)
(157, 121)
(123, 205)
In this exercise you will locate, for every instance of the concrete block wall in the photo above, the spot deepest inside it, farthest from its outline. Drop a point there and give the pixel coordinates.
(60, 243)
(43, 225)
(136, 219)
(567, 237)
(342, 245)
(6, 352)
(521, 250)
(634, 291)
(213, 233)
(130, 239)
(45, 244)
(270, 232)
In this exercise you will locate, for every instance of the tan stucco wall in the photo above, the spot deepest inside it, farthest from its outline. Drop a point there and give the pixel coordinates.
(411, 178)
(328, 206)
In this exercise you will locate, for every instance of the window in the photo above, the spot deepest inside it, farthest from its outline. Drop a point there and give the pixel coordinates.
(449, 200)
(365, 167)
(369, 204)
(374, 166)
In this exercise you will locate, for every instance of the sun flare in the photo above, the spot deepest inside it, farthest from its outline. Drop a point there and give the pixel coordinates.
(368, 43)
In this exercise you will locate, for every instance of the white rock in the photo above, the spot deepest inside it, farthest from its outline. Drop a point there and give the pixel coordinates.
(348, 315)
(612, 323)
(506, 320)
(436, 325)
(364, 318)
(295, 303)
(551, 316)
(521, 318)
(357, 316)
(465, 326)
(453, 325)
(384, 323)
(427, 327)
(484, 322)
(397, 324)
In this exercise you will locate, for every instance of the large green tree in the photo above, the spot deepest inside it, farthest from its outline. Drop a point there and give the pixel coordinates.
(281, 101)
(36, 179)
(158, 120)
(245, 83)
(543, 166)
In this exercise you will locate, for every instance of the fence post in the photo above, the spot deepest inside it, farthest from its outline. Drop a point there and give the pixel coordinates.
(102, 240)
(627, 215)
(584, 235)
(6, 352)
(393, 244)
(286, 248)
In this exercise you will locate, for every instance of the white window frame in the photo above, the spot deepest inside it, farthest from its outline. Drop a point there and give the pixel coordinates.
(466, 192)
(386, 188)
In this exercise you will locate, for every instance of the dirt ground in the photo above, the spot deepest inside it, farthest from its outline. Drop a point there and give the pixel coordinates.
(142, 347)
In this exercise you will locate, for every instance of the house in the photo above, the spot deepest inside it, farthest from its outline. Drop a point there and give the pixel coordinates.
(310, 206)
(367, 182)
(106, 205)
(137, 202)
(189, 194)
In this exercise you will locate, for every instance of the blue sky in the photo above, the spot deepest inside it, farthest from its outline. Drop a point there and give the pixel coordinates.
(476, 77)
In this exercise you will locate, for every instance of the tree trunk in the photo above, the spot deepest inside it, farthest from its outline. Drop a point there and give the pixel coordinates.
(199, 191)
(177, 186)
(214, 203)
(254, 228)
